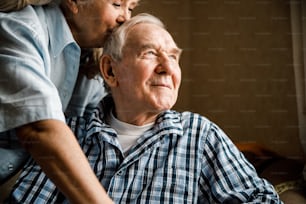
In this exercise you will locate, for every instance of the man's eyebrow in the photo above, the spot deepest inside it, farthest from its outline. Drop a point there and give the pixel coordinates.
(177, 51)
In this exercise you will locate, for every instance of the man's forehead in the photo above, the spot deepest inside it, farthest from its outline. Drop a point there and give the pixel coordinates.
(142, 44)
(147, 28)
(150, 33)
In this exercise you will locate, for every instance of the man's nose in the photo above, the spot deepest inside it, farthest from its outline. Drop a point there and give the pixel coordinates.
(166, 65)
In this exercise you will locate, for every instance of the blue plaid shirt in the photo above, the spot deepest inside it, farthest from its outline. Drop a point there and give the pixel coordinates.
(184, 158)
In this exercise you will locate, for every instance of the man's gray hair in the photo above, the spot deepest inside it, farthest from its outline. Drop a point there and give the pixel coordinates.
(115, 43)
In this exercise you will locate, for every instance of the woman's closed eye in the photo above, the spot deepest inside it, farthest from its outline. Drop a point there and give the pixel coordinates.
(131, 9)
(117, 5)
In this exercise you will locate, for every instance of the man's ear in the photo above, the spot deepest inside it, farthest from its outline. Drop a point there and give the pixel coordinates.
(107, 71)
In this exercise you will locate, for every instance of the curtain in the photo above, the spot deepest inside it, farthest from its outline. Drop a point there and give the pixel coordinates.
(298, 33)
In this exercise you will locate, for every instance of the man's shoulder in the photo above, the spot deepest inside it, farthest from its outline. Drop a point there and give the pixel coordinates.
(192, 116)
(199, 121)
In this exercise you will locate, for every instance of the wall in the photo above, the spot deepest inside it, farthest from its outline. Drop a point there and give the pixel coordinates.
(237, 66)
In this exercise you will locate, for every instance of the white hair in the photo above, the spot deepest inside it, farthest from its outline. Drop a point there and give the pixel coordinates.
(115, 43)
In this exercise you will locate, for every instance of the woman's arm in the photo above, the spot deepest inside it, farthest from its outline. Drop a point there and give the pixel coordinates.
(54, 147)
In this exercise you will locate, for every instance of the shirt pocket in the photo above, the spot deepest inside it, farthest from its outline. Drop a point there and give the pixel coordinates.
(173, 184)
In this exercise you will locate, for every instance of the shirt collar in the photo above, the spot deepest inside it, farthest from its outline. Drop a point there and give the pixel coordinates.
(59, 32)
(168, 121)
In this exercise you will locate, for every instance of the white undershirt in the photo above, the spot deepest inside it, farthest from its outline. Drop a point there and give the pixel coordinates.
(127, 133)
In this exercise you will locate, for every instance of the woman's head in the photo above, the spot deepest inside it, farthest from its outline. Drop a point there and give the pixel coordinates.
(91, 21)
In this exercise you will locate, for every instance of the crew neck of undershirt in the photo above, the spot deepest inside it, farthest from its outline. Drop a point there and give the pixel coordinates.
(127, 133)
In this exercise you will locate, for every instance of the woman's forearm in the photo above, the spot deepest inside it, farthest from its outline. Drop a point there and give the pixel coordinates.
(54, 147)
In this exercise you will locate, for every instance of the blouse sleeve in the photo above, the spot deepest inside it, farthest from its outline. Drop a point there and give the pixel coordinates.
(26, 91)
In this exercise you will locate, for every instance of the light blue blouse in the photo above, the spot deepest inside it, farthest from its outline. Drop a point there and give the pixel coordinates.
(39, 62)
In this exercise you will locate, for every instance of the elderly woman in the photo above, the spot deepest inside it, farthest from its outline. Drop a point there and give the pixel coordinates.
(41, 84)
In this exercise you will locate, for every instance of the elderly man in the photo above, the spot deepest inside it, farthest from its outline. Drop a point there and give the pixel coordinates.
(143, 152)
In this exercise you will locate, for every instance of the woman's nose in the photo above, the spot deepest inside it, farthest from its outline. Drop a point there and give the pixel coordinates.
(123, 16)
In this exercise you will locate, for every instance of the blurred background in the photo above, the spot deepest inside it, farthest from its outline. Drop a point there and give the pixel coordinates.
(242, 66)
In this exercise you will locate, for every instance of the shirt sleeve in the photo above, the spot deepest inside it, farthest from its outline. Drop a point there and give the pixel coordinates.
(230, 177)
(26, 91)
(82, 103)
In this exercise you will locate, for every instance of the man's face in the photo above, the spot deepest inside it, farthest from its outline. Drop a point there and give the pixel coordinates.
(149, 74)
(99, 17)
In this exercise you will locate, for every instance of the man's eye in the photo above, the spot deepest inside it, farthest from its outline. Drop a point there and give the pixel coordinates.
(150, 52)
(174, 57)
